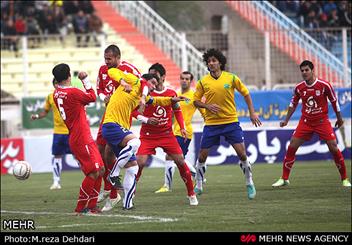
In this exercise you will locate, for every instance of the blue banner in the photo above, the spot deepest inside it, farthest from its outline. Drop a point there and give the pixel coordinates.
(273, 105)
(269, 146)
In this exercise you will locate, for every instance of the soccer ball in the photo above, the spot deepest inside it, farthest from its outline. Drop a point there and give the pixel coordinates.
(22, 170)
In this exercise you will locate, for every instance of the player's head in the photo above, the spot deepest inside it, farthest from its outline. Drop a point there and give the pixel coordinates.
(54, 82)
(159, 70)
(186, 79)
(152, 80)
(214, 59)
(307, 70)
(62, 73)
(112, 56)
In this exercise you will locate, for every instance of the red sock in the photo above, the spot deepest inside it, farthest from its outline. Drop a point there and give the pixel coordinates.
(140, 169)
(85, 191)
(340, 164)
(289, 160)
(187, 178)
(107, 184)
(93, 198)
(113, 193)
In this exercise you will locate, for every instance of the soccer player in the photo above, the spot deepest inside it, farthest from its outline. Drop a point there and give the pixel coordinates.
(71, 103)
(161, 135)
(188, 109)
(117, 123)
(314, 93)
(105, 88)
(218, 88)
(60, 145)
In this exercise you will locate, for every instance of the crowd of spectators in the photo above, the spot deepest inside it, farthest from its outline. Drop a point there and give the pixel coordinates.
(317, 14)
(40, 19)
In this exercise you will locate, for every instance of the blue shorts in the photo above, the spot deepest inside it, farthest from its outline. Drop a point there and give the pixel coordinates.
(113, 133)
(211, 134)
(184, 145)
(60, 145)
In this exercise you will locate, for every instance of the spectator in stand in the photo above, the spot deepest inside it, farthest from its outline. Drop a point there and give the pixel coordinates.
(345, 13)
(33, 29)
(80, 24)
(95, 27)
(86, 6)
(329, 6)
(20, 25)
(10, 33)
(333, 19)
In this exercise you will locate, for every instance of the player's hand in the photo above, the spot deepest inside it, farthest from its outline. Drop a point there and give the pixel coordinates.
(255, 119)
(339, 123)
(82, 75)
(126, 87)
(152, 121)
(107, 99)
(283, 124)
(184, 134)
(141, 107)
(214, 108)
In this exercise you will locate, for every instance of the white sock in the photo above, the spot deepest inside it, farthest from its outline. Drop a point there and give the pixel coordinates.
(200, 174)
(169, 172)
(124, 156)
(57, 166)
(191, 168)
(246, 168)
(129, 186)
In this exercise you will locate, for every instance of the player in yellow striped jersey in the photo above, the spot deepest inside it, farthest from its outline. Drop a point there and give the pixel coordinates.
(116, 125)
(60, 145)
(188, 109)
(218, 87)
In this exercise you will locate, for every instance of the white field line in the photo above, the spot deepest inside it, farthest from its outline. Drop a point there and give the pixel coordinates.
(136, 217)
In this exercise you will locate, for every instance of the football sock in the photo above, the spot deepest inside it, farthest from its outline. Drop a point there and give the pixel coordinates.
(85, 191)
(340, 164)
(57, 166)
(191, 168)
(113, 192)
(186, 177)
(129, 186)
(125, 154)
(247, 171)
(169, 172)
(200, 173)
(289, 160)
(93, 197)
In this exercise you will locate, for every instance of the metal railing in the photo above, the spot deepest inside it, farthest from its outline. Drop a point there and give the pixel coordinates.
(171, 42)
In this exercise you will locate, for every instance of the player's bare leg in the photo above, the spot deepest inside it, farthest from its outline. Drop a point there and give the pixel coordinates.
(141, 161)
(186, 177)
(246, 168)
(200, 170)
(339, 162)
(107, 185)
(289, 160)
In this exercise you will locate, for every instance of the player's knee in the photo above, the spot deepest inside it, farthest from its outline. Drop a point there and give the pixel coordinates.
(134, 143)
(133, 170)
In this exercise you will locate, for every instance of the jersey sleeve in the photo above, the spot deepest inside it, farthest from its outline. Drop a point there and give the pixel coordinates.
(118, 75)
(198, 94)
(330, 93)
(239, 86)
(295, 98)
(85, 97)
(159, 100)
(47, 105)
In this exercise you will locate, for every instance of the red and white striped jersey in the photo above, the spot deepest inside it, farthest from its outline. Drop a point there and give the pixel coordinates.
(314, 99)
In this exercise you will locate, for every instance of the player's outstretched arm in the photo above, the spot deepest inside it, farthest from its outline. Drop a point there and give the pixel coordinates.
(290, 111)
(253, 116)
(39, 115)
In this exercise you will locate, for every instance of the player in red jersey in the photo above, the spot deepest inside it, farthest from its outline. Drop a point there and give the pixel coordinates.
(314, 93)
(105, 88)
(161, 135)
(71, 103)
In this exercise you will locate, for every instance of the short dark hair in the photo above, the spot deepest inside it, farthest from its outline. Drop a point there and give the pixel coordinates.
(113, 49)
(159, 68)
(54, 82)
(307, 63)
(187, 73)
(217, 54)
(61, 72)
(148, 76)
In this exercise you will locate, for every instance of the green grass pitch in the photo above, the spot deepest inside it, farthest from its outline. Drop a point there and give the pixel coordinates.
(315, 201)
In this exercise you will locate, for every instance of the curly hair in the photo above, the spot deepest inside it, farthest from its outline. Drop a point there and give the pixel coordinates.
(217, 54)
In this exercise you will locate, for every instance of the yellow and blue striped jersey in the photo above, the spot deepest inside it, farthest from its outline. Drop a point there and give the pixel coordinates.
(122, 104)
(220, 91)
(59, 124)
(188, 109)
